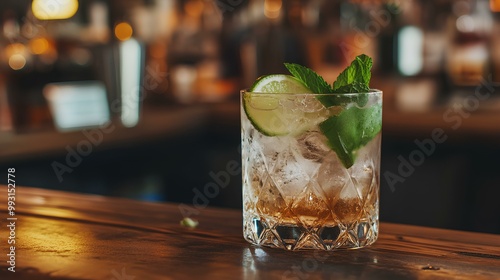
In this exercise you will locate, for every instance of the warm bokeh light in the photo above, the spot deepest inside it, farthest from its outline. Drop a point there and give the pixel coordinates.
(15, 48)
(80, 56)
(16, 54)
(158, 50)
(465, 24)
(123, 31)
(495, 5)
(194, 8)
(39, 45)
(17, 61)
(50, 9)
(272, 8)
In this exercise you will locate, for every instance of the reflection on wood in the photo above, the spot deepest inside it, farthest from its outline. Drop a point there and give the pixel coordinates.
(72, 236)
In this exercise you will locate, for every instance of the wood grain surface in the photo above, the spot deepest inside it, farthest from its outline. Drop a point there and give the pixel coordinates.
(74, 236)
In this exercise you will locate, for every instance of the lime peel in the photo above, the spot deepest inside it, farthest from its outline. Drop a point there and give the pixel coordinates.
(346, 132)
(264, 111)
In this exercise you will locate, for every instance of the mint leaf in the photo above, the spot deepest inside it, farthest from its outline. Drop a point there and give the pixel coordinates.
(314, 82)
(352, 129)
(354, 79)
(309, 78)
(359, 72)
(355, 126)
(355, 87)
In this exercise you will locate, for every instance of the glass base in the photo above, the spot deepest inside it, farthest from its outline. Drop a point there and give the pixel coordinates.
(295, 237)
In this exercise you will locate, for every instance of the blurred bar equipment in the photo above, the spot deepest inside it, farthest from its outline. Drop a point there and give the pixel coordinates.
(131, 61)
(77, 105)
(71, 42)
(468, 56)
(192, 51)
(147, 63)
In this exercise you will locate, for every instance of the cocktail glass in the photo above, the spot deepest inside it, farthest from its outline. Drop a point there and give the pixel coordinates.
(298, 193)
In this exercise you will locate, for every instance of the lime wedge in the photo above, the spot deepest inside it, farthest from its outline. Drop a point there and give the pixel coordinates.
(279, 84)
(265, 110)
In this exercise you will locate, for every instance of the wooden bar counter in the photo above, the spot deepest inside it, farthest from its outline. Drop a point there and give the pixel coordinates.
(63, 235)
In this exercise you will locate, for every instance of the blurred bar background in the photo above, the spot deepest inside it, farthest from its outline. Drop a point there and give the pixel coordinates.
(140, 98)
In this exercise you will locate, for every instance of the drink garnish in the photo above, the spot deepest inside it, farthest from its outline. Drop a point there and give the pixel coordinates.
(189, 223)
(264, 112)
(346, 132)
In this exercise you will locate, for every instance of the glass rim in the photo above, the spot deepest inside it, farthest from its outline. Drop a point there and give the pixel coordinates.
(371, 92)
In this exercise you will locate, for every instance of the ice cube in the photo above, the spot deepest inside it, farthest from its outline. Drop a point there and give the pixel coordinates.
(302, 113)
(271, 147)
(362, 175)
(289, 175)
(366, 167)
(308, 104)
(312, 145)
(332, 176)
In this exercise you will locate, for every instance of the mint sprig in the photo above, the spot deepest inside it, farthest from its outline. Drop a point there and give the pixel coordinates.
(358, 74)
(354, 79)
(353, 127)
(308, 77)
(314, 82)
